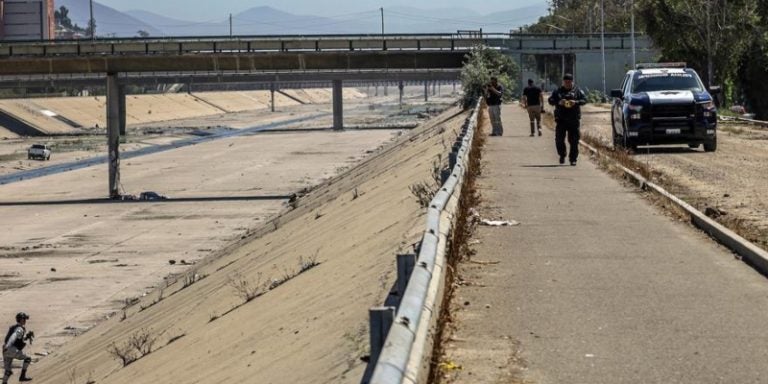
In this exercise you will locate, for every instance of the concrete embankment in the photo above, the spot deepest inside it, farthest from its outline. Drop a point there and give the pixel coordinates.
(327, 261)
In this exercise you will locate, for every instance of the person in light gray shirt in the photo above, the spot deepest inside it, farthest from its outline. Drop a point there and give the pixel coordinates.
(13, 346)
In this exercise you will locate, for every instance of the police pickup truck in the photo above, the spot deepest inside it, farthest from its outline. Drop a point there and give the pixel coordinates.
(663, 103)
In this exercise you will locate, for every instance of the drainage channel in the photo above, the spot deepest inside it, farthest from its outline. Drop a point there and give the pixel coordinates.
(75, 165)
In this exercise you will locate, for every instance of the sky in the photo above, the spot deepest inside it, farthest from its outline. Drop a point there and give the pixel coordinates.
(199, 10)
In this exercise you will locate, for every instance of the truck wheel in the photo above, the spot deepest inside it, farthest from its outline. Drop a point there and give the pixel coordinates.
(47, 157)
(710, 145)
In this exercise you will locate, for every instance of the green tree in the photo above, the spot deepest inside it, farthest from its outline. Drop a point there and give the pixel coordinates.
(61, 16)
(483, 63)
(580, 16)
(710, 35)
(754, 66)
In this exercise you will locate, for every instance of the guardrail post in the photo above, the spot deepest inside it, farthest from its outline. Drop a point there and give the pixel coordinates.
(381, 319)
(444, 175)
(452, 157)
(405, 264)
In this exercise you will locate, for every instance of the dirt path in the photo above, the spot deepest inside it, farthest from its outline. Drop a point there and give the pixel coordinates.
(732, 179)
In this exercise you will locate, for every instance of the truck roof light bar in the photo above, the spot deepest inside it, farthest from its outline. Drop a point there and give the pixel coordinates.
(676, 64)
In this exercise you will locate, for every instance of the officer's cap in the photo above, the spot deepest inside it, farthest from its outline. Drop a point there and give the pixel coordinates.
(567, 76)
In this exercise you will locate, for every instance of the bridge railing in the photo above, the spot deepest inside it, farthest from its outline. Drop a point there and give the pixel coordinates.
(405, 354)
(313, 43)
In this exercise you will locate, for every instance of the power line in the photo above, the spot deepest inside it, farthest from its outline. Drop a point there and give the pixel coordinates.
(465, 21)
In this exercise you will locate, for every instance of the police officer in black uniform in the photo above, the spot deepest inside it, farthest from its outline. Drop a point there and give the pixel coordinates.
(13, 346)
(567, 100)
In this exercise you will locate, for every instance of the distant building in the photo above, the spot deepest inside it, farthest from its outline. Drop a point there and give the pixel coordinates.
(27, 20)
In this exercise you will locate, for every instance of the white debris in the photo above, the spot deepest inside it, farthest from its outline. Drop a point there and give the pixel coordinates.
(499, 223)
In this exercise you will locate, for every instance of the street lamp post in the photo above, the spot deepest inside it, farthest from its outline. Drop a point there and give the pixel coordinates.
(382, 21)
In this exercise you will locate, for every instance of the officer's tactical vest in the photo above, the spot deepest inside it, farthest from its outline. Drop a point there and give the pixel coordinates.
(19, 343)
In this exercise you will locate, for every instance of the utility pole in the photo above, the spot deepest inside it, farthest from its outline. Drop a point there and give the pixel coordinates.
(382, 21)
(602, 39)
(91, 22)
(230, 25)
(632, 30)
(710, 65)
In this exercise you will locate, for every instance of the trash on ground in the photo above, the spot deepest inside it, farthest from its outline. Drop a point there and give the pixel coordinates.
(450, 366)
(498, 223)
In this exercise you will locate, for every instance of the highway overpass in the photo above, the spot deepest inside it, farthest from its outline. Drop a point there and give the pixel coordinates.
(270, 58)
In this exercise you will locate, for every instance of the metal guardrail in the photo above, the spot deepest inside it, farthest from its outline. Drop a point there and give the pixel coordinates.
(404, 355)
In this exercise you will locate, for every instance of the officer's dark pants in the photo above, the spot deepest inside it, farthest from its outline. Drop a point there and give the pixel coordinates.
(570, 128)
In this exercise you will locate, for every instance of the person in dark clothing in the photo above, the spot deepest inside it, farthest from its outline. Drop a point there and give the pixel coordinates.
(15, 341)
(493, 94)
(567, 101)
(533, 102)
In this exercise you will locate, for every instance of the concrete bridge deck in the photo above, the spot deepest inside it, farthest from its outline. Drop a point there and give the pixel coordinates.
(596, 285)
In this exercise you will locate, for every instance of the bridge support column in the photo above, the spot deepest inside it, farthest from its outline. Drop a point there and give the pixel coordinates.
(426, 91)
(121, 101)
(386, 89)
(338, 105)
(113, 134)
(400, 86)
(272, 96)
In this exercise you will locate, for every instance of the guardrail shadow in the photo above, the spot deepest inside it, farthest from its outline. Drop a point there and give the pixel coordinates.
(164, 201)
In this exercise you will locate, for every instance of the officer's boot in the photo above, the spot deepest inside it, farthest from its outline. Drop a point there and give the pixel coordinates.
(24, 376)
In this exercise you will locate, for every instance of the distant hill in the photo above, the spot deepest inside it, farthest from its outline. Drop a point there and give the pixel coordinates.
(109, 21)
(265, 20)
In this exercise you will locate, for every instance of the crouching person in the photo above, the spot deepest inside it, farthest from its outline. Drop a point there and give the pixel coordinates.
(13, 348)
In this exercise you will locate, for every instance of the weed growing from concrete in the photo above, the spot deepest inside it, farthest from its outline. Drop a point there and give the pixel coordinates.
(425, 191)
(244, 288)
(138, 345)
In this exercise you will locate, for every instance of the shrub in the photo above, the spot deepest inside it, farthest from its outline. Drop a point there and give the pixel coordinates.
(481, 64)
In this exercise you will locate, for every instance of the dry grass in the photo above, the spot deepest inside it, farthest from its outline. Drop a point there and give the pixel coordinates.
(459, 247)
(137, 346)
(425, 191)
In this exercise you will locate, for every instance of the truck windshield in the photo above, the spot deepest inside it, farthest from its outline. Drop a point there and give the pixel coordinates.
(38, 146)
(666, 82)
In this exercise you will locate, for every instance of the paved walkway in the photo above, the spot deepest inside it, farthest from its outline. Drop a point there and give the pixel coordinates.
(596, 285)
